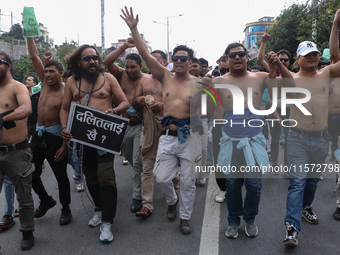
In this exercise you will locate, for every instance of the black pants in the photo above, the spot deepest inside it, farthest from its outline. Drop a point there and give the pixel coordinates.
(101, 182)
(45, 147)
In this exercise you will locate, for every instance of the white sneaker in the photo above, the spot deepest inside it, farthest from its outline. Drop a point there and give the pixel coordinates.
(125, 161)
(106, 234)
(80, 187)
(96, 219)
(220, 197)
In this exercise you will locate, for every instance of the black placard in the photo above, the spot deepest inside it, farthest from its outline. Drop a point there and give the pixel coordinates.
(96, 129)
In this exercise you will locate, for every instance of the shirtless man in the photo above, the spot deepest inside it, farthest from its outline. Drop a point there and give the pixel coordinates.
(47, 141)
(15, 154)
(129, 78)
(177, 141)
(308, 142)
(234, 135)
(334, 105)
(149, 95)
(90, 86)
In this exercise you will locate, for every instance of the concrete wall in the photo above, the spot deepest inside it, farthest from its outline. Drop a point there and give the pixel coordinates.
(18, 49)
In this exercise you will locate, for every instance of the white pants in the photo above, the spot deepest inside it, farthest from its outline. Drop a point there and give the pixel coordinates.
(168, 154)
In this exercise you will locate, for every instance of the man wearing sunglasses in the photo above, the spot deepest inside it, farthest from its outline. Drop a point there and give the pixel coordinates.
(90, 86)
(129, 78)
(15, 154)
(181, 136)
(241, 134)
(47, 141)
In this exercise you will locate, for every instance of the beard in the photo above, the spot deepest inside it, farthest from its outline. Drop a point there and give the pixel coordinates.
(90, 76)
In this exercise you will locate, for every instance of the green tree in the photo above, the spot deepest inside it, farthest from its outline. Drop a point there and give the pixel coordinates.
(15, 31)
(318, 23)
(285, 34)
(22, 68)
(64, 51)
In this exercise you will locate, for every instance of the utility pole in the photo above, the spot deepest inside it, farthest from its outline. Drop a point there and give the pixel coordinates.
(103, 36)
(12, 35)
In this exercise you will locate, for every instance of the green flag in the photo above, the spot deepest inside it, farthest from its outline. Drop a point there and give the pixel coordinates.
(31, 26)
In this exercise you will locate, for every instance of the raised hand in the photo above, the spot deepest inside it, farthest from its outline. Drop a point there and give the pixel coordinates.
(128, 18)
(272, 60)
(47, 56)
(337, 17)
(129, 43)
(265, 36)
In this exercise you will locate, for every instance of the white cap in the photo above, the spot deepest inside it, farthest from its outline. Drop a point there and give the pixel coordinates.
(306, 47)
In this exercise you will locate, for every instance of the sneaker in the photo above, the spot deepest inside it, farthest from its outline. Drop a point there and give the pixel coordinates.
(80, 187)
(105, 232)
(6, 222)
(220, 198)
(336, 214)
(96, 219)
(125, 162)
(43, 208)
(232, 231)
(251, 229)
(27, 240)
(74, 175)
(291, 235)
(309, 215)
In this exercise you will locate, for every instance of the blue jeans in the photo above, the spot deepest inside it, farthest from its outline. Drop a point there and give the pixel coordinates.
(303, 149)
(234, 183)
(74, 162)
(9, 196)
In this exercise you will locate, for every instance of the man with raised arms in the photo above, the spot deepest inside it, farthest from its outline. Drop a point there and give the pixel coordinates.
(181, 138)
(243, 144)
(15, 154)
(308, 142)
(129, 78)
(90, 86)
(149, 95)
(334, 105)
(47, 141)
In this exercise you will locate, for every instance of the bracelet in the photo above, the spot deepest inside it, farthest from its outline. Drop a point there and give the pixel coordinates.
(61, 129)
(271, 77)
(114, 111)
(121, 47)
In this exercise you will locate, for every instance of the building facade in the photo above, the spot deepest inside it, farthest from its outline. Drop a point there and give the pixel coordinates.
(253, 31)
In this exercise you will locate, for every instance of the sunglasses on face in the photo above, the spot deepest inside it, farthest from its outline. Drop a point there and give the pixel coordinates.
(88, 58)
(3, 62)
(223, 70)
(232, 55)
(284, 59)
(181, 58)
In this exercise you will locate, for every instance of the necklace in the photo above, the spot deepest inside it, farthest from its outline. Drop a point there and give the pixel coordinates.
(238, 77)
(88, 94)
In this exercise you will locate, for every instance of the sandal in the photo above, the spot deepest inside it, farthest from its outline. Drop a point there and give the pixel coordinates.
(6, 222)
(16, 213)
(144, 212)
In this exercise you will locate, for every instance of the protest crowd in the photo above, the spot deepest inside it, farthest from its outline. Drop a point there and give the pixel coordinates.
(174, 127)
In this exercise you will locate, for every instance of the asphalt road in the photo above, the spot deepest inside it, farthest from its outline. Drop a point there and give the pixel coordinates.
(157, 235)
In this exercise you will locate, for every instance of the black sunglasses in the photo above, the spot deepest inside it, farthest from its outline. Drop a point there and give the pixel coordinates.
(232, 55)
(181, 58)
(3, 62)
(223, 70)
(88, 58)
(284, 59)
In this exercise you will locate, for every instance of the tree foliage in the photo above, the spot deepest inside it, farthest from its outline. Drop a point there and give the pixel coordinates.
(22, 68)
(311, 21)
(15, 31)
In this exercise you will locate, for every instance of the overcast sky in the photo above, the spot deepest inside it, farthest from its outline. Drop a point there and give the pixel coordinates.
(206, 26)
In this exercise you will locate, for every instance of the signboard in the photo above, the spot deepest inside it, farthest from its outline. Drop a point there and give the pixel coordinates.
(95, 128)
